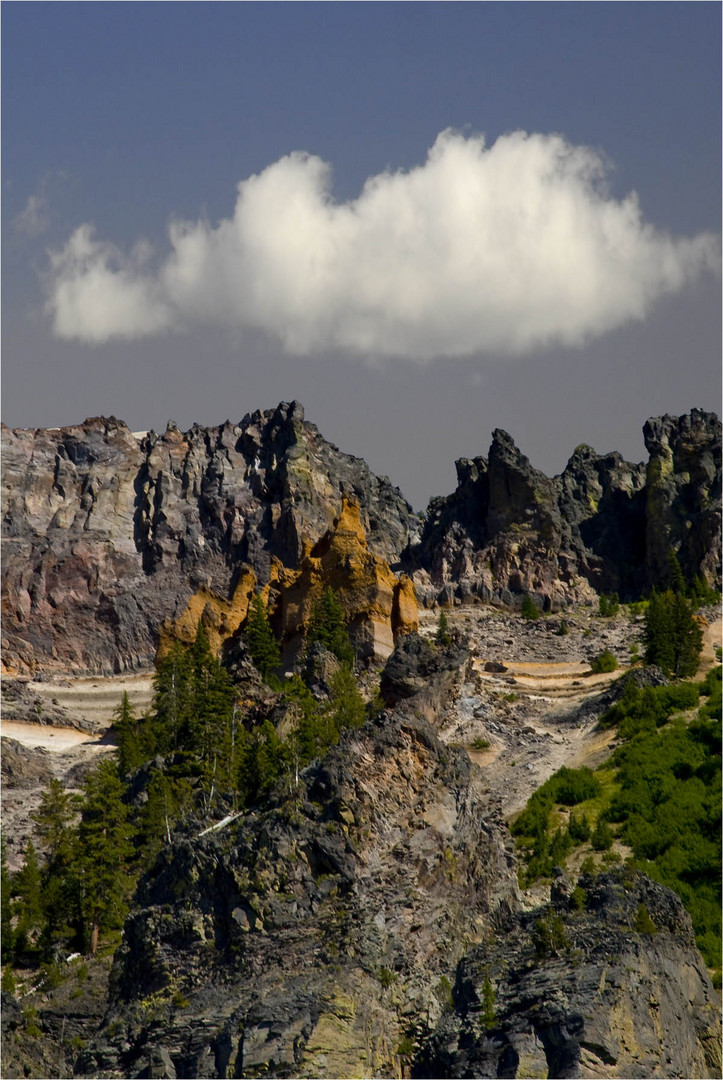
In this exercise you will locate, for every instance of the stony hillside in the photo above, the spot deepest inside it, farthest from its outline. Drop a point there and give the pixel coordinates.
(107, 534)
(360, 914)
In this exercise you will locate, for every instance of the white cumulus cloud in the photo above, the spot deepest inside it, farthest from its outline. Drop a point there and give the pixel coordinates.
(502, 249)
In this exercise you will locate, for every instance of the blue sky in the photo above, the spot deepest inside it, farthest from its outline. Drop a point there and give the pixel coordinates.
(417, 339)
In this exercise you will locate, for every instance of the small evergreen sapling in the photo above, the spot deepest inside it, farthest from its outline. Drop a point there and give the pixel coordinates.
(443, 637)
(530, 609)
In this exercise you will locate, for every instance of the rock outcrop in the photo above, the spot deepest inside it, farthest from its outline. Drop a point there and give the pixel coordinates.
(683, 494)
(313, 938)
(604, 982)
(106, 534)
(378, 605)
(602, 525)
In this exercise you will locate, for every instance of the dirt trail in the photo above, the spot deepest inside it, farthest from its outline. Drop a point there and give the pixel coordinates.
(711, 641)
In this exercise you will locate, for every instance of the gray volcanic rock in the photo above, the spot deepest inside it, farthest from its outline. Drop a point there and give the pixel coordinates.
(582, 993)
(423, 678)
(309, 939)
(106, 535)
(683, 494)
(603, 525)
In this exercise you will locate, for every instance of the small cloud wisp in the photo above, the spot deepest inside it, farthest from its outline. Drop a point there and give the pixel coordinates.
(503, 249)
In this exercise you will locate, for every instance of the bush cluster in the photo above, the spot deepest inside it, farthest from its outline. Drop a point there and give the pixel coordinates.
(664, 803)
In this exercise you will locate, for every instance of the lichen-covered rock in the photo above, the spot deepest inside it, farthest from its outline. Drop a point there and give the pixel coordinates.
(378, 607)
(579, 990)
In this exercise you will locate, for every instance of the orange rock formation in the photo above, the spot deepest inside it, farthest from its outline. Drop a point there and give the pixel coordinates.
(379, 606)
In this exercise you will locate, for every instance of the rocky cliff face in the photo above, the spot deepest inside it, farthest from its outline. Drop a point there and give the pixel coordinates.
(369, 924)
(603, 525)
(378, 605)
(574, 990)
(683, 494)
(312, 938)
(107, 535)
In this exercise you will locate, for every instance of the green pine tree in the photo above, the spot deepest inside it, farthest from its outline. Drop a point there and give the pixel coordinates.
(687, 636)
(172, 699)
(347, 706)
(658, 631)
(263, 647)
(530, 609)
(673, 638)
(487, 1015)
(131, 752)
(168, 798)
(210, 720)
(327, 625)
(105, 852)
(55, 827)
(7, 931)
(676, 581)
(28, 887)
(443, 637)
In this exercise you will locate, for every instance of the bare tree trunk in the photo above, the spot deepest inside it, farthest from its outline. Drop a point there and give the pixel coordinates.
(94, 938)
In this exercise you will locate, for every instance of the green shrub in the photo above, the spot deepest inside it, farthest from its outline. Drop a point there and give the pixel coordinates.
(579, 828)
(602, 837)
(487, 1012)
(603, 662)
(643, 924)
(444, 994)
(530, 609)
(406, 1046)
(578, 898)
(609, 605)
(549, 937)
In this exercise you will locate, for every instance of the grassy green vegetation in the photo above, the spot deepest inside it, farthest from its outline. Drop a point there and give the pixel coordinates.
(659, 794)
(193, 757)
